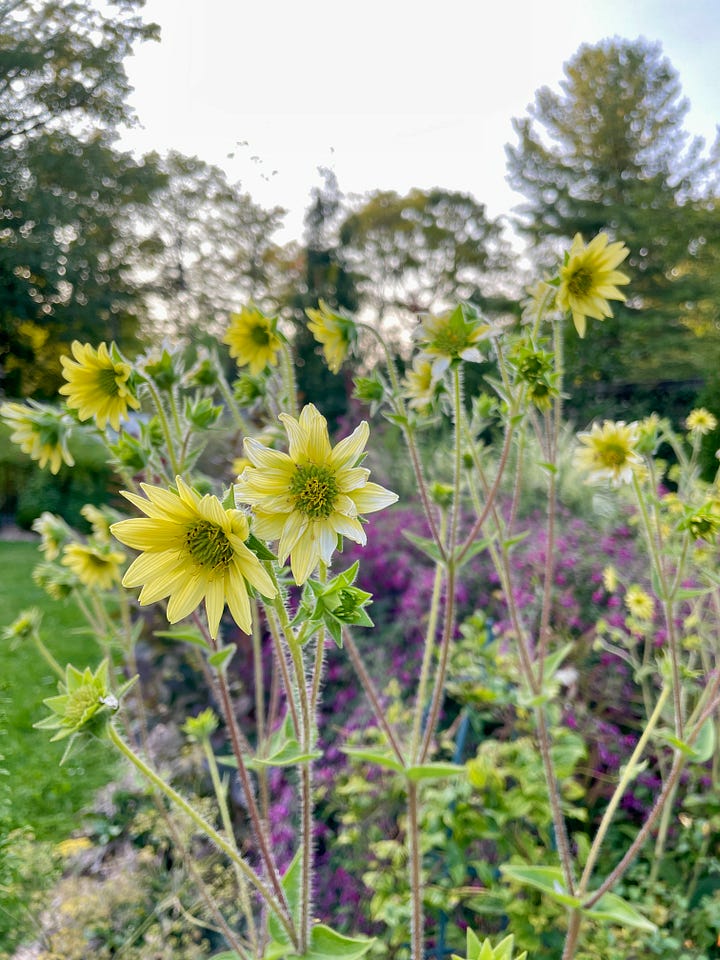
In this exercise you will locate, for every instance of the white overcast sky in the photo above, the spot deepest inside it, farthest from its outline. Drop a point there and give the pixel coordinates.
(390, 94)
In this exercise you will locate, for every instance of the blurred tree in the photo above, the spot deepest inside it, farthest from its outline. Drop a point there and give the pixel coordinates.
(67, 253)
(424, 252)
(208, 246)
(319, 271)
(609, 152)
(63, 61)
(67, 197)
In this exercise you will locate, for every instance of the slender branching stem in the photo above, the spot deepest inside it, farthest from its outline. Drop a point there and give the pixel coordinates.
(415, 869)
(227, 847)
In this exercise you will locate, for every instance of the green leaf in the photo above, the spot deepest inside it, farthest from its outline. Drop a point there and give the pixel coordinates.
(433, 771)
(549, 880)
(518, 538)
(289, 755)
(552, 662)
(704, 747)
(291, 884)
(477, 547)
(186, 635)
(614, 909)
(326, 944)
(425, 545)
(379, 755)
(222, 657)
(228, 955)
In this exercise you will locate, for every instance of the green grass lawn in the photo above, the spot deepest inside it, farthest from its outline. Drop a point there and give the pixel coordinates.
(43, 795)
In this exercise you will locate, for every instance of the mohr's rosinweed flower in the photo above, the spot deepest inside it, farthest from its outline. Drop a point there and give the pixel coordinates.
(85, 704)
(588, 279)
(420, 386)
(95, 565)
(98, 384)
(24, 627)
(40, 431)
(609, 452)
(452, 336)
(700, 422)
(201, 727)
(253, 339)
(54, 533)
(310, 496)
(335, 332)
(193, 550)
(639, 603)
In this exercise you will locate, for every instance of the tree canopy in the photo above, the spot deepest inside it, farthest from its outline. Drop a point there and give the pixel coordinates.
(610, 152)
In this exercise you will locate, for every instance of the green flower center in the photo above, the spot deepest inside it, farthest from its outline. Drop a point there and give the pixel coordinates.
(208, 545)
(81, 705)
(613, 454)
(580, 283)
(260, 336)
(315, 489)
(450, 343)
(108, 381)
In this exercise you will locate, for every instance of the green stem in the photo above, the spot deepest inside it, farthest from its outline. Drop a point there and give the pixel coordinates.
(220, 795)
(253, 812)
(227, 848)
(165, 426)
(50, 659)
(426, 662)
(230, 401)
(408, 433)
(623, 783)
(446, 640)
(289, 378)
(307, 739)
(415, 869)
(372, 695)
(652, 537)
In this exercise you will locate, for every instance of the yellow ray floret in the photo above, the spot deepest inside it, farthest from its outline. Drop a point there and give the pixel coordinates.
(98, 384)
(609, 452)
(253, 339)
(193, 550)
(313, 494)
(589, 278)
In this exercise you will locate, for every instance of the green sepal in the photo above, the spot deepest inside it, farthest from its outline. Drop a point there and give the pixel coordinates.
(261, 551)
(222, 657)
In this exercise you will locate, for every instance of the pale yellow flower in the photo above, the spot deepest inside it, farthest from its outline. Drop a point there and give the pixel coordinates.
(420, 384)
(610, 580)
(588, 279)
(98, 384)
(193, 550)
(700, 422)
(639, 603)
(335, 332)
(453, 335)
(96, 567)
(609, 452)
(310, 496)
(253, 339)
(39, 430)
